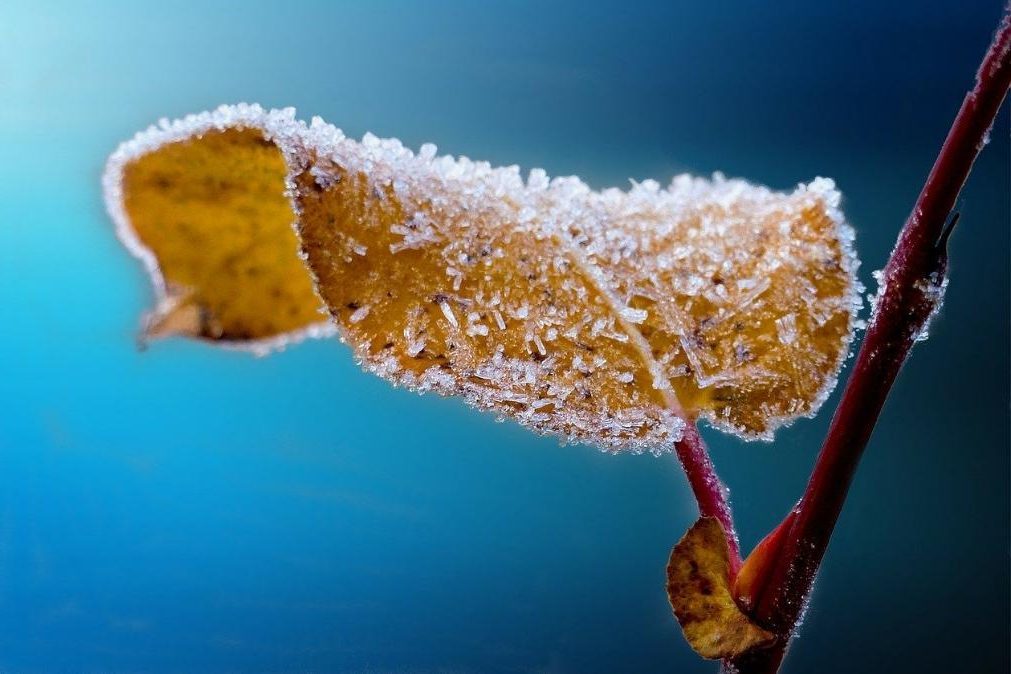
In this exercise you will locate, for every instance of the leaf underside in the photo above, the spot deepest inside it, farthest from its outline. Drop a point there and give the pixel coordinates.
(212, 209)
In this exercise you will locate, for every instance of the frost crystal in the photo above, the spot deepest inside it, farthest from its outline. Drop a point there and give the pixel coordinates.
(933, 290)
(358, 315)
(786, 326)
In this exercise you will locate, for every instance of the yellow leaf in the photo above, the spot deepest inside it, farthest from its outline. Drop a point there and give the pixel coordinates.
(698, 586)
(204, 205)
(611, 317)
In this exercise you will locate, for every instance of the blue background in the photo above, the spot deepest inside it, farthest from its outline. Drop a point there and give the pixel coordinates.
(192, 510)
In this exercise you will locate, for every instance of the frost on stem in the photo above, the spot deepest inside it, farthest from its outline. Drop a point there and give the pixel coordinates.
(925, 294)
(932, 289)
(610, 317)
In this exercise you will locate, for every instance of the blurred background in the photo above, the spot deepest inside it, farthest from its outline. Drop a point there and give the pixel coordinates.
(187, 509)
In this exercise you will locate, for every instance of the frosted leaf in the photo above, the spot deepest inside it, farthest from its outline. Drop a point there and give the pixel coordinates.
(633, 311)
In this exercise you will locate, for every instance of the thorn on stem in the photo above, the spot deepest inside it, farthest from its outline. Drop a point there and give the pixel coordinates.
(949, 226)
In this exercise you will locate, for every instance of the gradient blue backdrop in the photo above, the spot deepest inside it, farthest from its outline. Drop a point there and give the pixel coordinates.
(192, 510)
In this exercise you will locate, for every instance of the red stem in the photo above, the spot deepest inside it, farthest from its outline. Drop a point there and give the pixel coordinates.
(906, 303)
(709, 491)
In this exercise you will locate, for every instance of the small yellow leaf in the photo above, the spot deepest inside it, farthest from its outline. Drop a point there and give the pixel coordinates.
(610, 317)
(698, 586)
(206, 210)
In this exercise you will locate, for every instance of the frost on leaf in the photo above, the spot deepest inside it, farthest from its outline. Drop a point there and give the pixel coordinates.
(609, 317)
(698, 586)
(205, 208)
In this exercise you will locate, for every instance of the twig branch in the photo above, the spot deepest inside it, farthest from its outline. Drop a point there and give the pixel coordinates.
(710, 493)
(912, 284)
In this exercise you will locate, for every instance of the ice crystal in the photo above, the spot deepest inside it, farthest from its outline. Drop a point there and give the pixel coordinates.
(933, 290)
